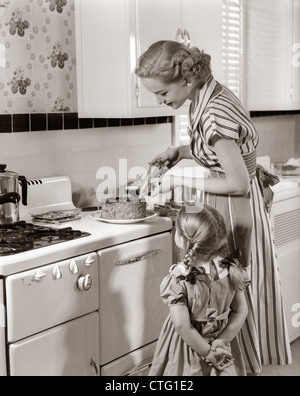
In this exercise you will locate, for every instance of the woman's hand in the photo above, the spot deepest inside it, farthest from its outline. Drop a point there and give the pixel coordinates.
(168, 158)
(162, 185)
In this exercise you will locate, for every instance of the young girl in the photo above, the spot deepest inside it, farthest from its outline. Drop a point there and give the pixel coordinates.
(206, 300)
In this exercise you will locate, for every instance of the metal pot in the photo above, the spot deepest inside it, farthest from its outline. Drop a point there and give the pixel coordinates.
(9, 195)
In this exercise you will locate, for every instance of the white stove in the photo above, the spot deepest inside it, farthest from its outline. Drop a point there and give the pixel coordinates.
(49, 295)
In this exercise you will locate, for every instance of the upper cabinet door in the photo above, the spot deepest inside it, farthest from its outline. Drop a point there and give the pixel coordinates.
(193, 22)
(202, 28)
(155, 20)
(111, 35)
(102, 52)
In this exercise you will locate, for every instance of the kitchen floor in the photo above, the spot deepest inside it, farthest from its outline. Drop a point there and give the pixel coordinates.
(292, 370)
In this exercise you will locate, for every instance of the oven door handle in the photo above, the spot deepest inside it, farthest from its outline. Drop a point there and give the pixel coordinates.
(134, 259)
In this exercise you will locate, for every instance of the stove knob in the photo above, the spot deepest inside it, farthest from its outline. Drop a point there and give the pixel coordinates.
(73, 267)
(89, 261)
(56, 272)
(39, 275)
(84, 282)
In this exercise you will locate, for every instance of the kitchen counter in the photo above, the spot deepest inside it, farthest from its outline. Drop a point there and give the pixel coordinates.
(286, 188)
(103, 235)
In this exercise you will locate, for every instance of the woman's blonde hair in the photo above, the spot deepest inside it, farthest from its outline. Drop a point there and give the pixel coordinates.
(204, 235)
(170, 61)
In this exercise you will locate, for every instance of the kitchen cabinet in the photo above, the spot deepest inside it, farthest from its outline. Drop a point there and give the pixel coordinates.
(110, 36)
(273, 67)
(131, 310)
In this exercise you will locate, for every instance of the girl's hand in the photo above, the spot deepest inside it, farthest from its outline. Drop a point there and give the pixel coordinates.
(168, 158)
(218, 343)
(219, 358)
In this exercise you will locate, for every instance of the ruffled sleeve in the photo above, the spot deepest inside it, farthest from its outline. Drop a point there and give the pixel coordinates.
(216, 125)
(172, 289)
(246, 277)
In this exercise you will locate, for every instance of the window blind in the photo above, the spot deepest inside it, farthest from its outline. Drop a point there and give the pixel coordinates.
(232, 28)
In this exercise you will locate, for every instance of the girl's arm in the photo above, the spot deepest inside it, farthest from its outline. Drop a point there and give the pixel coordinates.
(236, 319)
(235, 182)
(181, 319)
(182, 322)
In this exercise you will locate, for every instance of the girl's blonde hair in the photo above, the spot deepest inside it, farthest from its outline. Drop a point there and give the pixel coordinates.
(170, 61)
(204, 235)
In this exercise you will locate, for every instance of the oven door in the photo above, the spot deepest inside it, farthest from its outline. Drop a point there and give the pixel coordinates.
(71, 349)
(131, 309)
(2, 331)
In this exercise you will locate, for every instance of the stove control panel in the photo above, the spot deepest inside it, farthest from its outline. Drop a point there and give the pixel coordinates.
(57, 292)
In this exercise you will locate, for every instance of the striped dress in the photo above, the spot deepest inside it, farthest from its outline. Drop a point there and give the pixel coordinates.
(218, 112)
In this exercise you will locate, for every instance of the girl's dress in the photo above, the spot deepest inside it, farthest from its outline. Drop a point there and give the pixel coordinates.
(209, 303)
(219, 113)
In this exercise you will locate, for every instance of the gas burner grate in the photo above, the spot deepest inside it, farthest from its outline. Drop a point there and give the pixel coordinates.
(20, 237)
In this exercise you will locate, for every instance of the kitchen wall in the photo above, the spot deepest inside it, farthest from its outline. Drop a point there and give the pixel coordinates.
(279, 136)
(79, 154)
(37, 56)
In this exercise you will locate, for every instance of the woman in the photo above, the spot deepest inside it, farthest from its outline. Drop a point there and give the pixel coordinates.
(224, 140)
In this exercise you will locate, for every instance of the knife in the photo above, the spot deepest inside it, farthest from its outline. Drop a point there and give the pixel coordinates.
(154, 172)
(145, 187)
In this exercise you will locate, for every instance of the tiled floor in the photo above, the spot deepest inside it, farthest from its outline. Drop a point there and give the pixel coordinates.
(285, 371)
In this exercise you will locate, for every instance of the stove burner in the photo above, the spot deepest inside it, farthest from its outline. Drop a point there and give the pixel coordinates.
(22, 236)
(50, 238)
(12, 248)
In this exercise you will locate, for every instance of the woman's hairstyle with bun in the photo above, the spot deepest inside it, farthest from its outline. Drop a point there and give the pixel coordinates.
(170, 61)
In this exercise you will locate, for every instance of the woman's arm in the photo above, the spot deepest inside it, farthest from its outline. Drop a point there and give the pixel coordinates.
(235, 182)
(172, 156)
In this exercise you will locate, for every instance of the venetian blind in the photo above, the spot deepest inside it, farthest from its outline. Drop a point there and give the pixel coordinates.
(233, 28)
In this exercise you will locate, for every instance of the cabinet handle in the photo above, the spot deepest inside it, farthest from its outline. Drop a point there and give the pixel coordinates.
(187, 35)
(140, 257)
(179, 33)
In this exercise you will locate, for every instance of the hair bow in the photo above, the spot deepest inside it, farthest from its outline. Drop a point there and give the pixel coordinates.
(227, 261)
(194, 273)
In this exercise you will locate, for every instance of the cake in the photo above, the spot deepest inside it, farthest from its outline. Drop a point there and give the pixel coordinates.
(123, 208)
